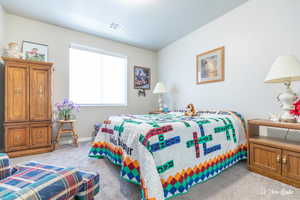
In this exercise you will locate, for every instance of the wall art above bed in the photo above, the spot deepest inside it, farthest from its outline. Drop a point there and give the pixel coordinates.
(142, 78)
(210, 66)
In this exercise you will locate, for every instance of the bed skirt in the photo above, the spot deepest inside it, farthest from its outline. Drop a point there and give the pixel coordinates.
(175, 185)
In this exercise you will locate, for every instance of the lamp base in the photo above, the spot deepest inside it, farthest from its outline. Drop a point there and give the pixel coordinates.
(286, 100)
(160, 103)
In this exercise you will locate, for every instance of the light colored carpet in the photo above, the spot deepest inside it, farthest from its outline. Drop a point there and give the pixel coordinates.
(236, 183)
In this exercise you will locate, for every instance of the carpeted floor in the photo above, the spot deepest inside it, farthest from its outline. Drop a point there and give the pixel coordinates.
(236, 183)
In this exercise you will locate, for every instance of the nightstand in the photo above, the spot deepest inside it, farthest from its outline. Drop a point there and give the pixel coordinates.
(276, 158)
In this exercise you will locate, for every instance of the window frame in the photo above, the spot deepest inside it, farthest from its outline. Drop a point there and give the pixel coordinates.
(103, 52)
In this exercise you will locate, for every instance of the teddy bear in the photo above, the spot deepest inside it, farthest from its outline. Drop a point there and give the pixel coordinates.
(191, 110)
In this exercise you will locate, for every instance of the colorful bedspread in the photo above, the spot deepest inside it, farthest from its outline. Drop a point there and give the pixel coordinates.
(169, 153)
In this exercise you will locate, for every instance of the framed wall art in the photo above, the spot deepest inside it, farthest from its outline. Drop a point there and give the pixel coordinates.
(142, 78)
(210, 66)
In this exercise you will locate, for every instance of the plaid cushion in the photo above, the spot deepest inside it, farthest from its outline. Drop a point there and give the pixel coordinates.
(90, 185)
(4, 166)
(41, 182)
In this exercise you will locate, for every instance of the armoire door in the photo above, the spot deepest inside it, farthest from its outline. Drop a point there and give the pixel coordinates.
(40, 93)
(16, 92)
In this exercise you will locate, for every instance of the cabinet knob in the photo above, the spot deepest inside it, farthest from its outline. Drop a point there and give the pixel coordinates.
(278, 158)
(284, 160)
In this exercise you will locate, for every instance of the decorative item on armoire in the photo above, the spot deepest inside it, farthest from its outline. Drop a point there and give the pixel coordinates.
(160, 89)
(285, 69)
(12, 51)
(35, 51)
(210, 66)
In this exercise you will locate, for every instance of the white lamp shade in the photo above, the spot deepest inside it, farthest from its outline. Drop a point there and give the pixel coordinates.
(159, 88)
(285, 68)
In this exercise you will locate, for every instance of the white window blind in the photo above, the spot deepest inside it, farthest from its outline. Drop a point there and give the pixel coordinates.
(97, 78)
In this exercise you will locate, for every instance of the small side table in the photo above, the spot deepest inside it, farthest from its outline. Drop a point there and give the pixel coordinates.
(62, 129)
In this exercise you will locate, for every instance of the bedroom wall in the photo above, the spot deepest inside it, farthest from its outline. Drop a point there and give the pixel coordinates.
(2, 42)
(59, 39)
(253, 34)
(2, 28)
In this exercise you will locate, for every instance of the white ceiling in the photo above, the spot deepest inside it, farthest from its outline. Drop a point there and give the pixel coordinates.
(151, 24)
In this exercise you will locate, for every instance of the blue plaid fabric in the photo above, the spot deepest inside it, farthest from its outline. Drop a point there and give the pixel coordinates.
(5, 170)
(89, 187)
(41, 182)
(38, 181)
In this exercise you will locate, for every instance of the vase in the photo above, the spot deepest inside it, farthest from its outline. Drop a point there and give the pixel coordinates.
(67, 116)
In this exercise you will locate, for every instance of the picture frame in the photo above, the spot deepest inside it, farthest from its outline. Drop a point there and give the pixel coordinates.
(35, 51)
(210, 66)
(142, 78)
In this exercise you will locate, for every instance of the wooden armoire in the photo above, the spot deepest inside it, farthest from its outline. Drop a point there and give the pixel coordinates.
(28, 107)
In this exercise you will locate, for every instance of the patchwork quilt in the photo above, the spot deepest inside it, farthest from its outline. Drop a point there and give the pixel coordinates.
(167, 154)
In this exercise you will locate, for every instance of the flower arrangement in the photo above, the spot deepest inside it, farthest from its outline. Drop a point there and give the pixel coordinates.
(296, 110)
(66, 109)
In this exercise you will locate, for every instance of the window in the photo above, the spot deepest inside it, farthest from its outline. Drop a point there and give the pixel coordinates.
(97, 78)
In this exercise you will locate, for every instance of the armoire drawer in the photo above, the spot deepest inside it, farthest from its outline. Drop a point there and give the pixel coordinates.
(40, 135)
(17, 137)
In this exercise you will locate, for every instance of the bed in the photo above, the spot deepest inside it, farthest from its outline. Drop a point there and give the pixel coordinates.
(167, 154)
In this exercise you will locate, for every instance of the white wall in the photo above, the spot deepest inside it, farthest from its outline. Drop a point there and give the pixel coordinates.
(59, 39)
(2, 28)
(2, 42)
(253, 34)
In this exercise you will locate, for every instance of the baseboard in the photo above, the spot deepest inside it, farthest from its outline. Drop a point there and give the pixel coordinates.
(81, 139)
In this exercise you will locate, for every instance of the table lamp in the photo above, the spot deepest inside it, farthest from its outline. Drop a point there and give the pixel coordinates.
(285, 69)
(160, 89)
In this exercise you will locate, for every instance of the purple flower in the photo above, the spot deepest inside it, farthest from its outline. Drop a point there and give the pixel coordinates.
(66, 107)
